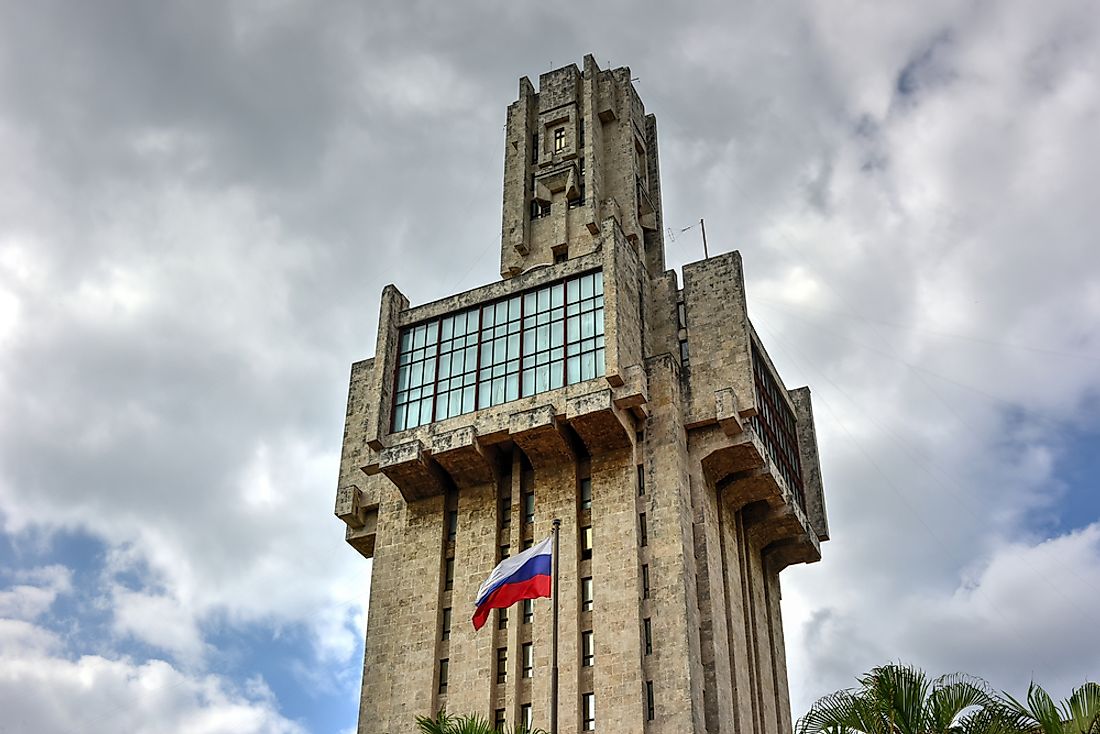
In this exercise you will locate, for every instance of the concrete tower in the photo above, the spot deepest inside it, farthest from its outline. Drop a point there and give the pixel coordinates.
(590, 386)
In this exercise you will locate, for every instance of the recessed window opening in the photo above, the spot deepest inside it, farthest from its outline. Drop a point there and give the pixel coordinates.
(586, 543)
(445, 632)
(586, 594)
(588, 712)
(586, 494)
(444, 667)
(559, 139)
(528, 660)
(588, 650)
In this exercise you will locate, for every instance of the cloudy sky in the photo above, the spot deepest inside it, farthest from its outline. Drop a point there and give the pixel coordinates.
(201, 202)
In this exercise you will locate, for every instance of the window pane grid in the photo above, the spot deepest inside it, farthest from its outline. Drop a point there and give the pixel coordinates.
(526, 344)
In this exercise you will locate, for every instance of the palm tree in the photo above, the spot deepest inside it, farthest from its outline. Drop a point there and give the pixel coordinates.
(443, 723)
(1078, 714)
(901, 699)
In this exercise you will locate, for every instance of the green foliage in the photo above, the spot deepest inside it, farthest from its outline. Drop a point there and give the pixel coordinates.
(900, 699)
(1078, 714)
(443, 723)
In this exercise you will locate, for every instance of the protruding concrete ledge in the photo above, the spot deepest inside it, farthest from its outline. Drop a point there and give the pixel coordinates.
(769, 523)
(464, 457)
(362, 539)
(725, 410)
(729, 456)
(541, 436)
(349, 506)
(412, 470)
(790, 551)
(633, 394)
(599, 423)
(748, 481)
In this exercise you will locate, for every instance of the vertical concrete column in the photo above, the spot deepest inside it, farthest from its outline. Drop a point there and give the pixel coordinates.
(617, 633)
(404, 603)
(678, 689)
(472, 685)
(556, 496)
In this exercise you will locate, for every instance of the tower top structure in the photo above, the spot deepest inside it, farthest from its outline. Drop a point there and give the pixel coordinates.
(580, 150)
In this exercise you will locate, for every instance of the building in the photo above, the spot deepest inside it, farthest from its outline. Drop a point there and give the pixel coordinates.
(586, 385)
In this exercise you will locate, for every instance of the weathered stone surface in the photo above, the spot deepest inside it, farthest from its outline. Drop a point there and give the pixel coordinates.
(662, 461)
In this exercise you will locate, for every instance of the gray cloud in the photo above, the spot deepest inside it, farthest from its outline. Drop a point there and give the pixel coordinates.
(200, 205)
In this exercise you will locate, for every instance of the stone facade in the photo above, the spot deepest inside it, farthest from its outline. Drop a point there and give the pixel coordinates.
(686, 462)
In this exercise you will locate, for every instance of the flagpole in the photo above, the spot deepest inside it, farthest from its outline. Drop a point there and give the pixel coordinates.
(554, 634)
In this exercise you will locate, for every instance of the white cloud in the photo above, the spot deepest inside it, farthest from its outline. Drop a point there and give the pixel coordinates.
(29, 600)
(46, 693)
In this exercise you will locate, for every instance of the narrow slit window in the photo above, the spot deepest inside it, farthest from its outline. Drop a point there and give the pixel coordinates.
(641, 480)
(649, 709)
(643, 530)
(449, 574)
(586, 542)
(452, 525)
(444, 666)
(528, 660)
(586, 494)
(647, 630)
(502, 665)
(588, 712)
(529, 507)
(528, 611)
(586, 594)
(502, 619)
(588, 650)
(645, 581)
(445, 626)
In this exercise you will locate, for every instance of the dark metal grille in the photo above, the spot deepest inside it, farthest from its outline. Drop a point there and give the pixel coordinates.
(775, 425)
(532, 342)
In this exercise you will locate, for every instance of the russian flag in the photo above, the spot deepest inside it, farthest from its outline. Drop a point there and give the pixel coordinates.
(523, 576)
